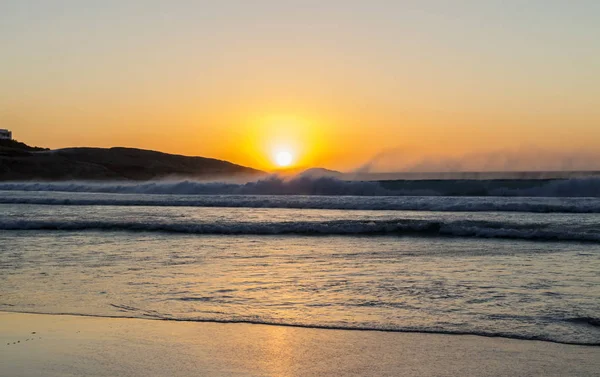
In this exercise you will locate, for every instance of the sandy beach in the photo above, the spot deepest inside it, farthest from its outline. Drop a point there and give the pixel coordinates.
(62, 345)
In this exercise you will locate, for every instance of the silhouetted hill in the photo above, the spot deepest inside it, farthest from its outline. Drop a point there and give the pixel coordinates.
(11, 147)
(21, 162)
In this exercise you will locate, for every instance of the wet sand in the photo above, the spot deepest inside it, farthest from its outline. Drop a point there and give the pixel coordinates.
(55, 345)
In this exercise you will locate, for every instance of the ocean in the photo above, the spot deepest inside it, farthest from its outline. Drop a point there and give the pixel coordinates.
(520, 260)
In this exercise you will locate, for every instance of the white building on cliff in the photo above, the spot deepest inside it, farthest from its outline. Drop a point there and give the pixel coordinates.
(5, 134)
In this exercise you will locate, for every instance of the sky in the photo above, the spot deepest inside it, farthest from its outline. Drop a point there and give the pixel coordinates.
(333, 83)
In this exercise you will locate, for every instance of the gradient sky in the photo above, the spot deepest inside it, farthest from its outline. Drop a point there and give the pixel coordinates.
(335, 82)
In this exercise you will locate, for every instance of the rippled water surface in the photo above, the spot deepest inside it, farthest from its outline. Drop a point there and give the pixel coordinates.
(519, 274)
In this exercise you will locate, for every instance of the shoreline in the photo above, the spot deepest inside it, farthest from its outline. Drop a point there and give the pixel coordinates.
(315, 327)
(56, 345)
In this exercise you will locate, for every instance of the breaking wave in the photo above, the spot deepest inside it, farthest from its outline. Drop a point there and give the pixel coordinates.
(306, 185)
(373, 203)
(457, 228)
(273, 185)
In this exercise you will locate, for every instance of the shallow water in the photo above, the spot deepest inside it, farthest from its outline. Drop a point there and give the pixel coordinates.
(515, 274)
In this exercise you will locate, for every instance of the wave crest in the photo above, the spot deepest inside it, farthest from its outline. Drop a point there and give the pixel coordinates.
(329, 186)
(459, 228)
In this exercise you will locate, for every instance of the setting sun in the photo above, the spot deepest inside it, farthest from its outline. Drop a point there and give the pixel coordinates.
(283, 158)
(282, 140)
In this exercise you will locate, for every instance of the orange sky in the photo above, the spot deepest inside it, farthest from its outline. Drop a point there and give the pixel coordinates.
(335, 84)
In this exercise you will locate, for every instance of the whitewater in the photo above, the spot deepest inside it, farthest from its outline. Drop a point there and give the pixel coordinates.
(512, 258)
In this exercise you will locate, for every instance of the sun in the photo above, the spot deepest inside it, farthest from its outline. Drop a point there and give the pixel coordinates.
(284, 158)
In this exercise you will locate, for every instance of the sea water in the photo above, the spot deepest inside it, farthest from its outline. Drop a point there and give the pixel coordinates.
(513, 266)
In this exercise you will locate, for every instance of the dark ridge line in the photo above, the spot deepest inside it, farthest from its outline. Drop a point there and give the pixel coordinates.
(407, 233)
(318, 327)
